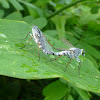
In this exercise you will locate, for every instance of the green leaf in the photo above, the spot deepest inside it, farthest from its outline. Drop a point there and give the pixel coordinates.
(52, 33)
(70, 97)
(52, 3)
(74, 33)
(14, 16)
(30, 6)
(1, 13)
(86, 15)
(55, 91)
(68, 1)
(41, 2)
(92, 60)
(25, 64)
(90, 49)
(33, 12)
(95, 9)
(71, 38)
(93, 25)
(28, 19)
(92, 37)
(84, 95)
(94, 40)
(4, 3)
(16, 4)
(40, 22)
(71, 21)
(59, 22)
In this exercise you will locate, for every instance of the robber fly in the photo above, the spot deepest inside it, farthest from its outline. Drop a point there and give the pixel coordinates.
(46, 47)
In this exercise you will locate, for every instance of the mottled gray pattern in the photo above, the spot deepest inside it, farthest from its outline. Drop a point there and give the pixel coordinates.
(40, 40)
(72, 53)
(43, 45)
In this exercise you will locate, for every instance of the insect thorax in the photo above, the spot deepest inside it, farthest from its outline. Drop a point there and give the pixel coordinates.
(76, 52)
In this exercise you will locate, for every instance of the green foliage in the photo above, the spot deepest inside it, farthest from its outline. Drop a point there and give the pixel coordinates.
(14, 16)
(4, 3)
(16, 4)
(10, 89)
(95, 9)
(80, 24)
(60, 92)
(63, 92)
(59, 22)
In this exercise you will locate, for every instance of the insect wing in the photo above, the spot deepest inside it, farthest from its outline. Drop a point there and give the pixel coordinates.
(66, 42)
(48, 46)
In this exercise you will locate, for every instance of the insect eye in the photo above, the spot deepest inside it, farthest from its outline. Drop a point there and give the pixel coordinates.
(83, 53)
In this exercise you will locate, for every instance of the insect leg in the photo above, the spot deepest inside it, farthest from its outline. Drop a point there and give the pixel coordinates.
(79, 67)
(27, 35)
(56, 58)
(59, 49)
(68, 63)
(38, 50)
(27, 43)
(50, 44)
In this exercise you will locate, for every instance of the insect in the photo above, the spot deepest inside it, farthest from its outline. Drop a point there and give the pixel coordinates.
(46, 47)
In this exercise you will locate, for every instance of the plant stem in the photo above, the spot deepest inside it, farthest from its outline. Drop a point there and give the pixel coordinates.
(67, 6)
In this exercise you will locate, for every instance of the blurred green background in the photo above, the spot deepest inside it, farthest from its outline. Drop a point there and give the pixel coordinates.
(78, 21)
